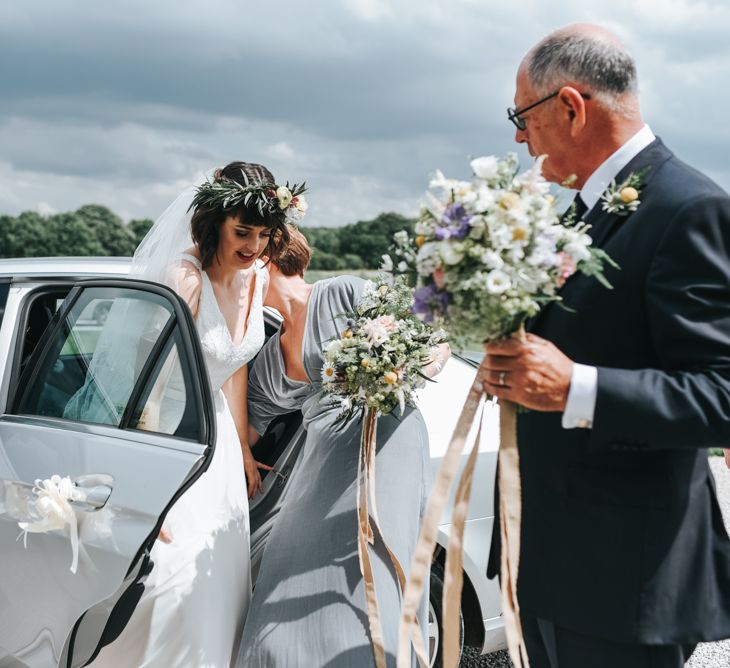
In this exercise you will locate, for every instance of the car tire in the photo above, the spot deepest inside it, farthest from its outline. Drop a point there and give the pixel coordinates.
(435, 613)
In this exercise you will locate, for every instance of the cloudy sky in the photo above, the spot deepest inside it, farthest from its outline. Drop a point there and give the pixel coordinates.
(124, 103)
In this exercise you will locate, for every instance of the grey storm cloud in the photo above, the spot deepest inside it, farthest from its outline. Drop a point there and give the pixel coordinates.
(122, 103)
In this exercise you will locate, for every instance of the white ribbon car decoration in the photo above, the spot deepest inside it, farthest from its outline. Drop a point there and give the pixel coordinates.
(52, 505)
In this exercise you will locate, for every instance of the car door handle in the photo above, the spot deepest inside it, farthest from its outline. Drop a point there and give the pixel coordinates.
(97, 489)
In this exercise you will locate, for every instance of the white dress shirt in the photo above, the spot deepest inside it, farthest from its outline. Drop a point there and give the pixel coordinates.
(581, 405)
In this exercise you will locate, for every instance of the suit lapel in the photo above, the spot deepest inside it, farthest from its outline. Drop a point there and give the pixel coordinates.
(603, 224)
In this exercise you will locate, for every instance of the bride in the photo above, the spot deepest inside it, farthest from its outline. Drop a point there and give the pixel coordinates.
(206, 246)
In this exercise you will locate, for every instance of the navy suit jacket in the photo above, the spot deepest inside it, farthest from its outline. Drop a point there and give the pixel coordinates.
(622, 535)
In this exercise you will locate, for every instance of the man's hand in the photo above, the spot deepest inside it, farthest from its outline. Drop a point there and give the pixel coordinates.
(529, 371)
(727, 457)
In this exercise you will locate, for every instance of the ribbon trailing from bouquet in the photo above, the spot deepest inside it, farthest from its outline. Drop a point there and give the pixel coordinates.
(510, 518)
(367, 521)
(52, 505)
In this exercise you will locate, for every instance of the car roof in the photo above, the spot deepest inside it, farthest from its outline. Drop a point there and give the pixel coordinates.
(64, 267)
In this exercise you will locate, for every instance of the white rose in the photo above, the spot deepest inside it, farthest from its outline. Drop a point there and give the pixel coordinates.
(301, 205)
(492, 259)
(477, 227)
(283, 194)
(401, 237)
(497, 282)
(451, 253)
(485, 198)
(427, 259)
(577, 251)
(486, 167)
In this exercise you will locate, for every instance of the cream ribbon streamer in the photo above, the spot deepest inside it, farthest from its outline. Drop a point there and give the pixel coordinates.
(421, 565)
(510, 516)
(454, 574)
(366, 537)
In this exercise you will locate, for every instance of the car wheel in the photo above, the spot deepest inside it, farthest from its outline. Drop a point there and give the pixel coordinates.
(435, 613)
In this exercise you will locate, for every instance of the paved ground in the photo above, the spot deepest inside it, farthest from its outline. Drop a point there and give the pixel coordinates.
(708, 655)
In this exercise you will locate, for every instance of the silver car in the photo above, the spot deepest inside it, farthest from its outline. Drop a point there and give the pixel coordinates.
(50, 323)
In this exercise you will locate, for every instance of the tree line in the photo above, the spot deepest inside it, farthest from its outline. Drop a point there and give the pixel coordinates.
(95, 230)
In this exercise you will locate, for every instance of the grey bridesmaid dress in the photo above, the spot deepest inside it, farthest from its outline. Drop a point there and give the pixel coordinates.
(308, 608)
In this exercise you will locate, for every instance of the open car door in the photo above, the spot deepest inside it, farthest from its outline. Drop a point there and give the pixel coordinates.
(122, 406)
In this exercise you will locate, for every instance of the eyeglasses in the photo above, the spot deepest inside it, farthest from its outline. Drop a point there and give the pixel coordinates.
(515, 115)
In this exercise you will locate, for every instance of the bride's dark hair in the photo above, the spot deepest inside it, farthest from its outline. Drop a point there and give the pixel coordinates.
(207, 220)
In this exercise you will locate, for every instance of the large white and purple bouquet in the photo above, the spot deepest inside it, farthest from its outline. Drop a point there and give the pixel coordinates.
(377, 363)
(490, 252)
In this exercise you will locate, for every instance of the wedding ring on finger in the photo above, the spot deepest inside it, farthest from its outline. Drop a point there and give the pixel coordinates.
(501, 378)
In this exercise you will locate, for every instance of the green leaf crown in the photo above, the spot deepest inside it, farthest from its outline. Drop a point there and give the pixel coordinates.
(269, 198)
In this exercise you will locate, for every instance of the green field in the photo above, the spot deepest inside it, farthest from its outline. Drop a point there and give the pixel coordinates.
(314, 275)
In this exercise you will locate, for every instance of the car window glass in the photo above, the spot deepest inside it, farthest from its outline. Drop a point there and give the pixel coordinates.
(164, 406)
(91, 365)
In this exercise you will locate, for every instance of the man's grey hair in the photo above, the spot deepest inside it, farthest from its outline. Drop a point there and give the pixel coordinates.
(605, 68)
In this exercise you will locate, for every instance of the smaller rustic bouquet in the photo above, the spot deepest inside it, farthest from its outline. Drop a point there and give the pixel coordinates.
(378, 362)
(376, 366)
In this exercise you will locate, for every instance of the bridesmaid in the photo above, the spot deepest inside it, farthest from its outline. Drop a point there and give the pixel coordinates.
(308, 607)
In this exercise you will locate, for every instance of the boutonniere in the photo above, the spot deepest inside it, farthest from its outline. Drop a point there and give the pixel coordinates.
(624, 198)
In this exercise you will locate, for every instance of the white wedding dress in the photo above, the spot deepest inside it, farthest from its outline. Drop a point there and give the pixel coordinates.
(195, 601)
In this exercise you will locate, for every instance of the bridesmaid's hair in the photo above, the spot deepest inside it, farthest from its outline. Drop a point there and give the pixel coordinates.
(206, 221)
(295, 258)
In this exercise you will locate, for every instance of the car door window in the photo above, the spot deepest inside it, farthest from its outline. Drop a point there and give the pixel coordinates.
(90, 366)
(164, 406)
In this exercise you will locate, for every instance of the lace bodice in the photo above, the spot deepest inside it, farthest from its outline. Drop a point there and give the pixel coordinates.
(222, 356)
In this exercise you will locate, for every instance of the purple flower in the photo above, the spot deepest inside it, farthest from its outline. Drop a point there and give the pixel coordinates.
(455, 223)
(428, 301)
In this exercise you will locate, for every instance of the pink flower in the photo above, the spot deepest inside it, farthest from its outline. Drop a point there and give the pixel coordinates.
(379, 329)
(438, 277)
(567, 268)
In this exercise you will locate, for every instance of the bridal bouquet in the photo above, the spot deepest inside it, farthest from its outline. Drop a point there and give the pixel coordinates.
(490, 252)
(378, 361)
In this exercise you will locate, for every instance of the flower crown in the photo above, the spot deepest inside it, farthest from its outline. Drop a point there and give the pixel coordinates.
(269, 198)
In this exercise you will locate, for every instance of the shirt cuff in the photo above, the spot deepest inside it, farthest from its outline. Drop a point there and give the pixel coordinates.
(581, 404)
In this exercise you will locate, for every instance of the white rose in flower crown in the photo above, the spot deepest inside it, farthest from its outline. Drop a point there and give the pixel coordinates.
(486, 167)
(283, 194)
(297, 209)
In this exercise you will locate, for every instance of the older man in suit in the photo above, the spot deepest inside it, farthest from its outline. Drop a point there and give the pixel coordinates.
(625, 561)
